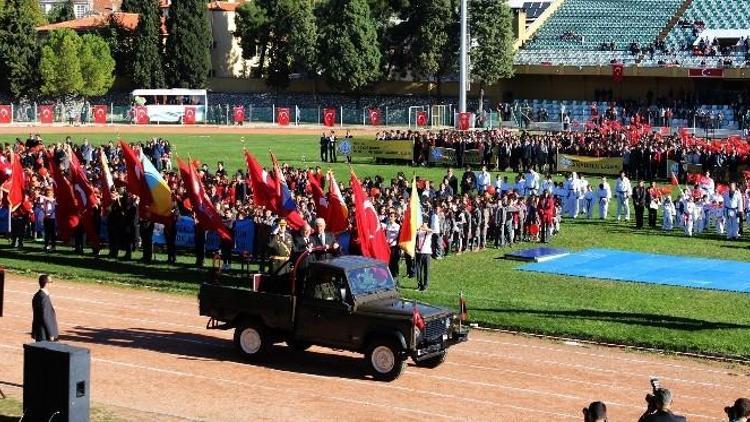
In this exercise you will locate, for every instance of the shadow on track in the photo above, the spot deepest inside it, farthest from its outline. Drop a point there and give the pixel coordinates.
(191, 346)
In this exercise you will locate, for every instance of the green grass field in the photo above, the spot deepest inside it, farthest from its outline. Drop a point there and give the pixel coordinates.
(498, 295)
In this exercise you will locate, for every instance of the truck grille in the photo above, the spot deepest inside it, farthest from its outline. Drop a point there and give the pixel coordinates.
(434, 329)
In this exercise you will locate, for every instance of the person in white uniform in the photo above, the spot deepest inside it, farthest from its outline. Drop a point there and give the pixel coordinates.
(623, 190)
(669, 212)
(732, 208)
(604, 195)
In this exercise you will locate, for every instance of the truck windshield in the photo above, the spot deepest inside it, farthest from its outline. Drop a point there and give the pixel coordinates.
(369, 280)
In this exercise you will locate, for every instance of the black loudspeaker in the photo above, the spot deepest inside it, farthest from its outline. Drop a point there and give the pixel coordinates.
(2, 289)
(56, 382)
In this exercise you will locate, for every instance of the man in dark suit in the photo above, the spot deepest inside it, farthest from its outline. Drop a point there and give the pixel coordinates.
(44, 323)
(323, 148)
(639, 202)
(303, 242)
(332, 147)
(323, 239)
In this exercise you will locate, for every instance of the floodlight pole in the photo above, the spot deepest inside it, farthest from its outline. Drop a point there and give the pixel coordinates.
(464, 72)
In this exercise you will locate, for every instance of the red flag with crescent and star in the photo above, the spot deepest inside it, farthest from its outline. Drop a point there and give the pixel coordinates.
(100, 114)
(6, 113)
(618, 72)
(464, 121)
(329, 116)
(369, 230)
(282, 116)
(421, 118)
(238, 114)
(189, 117)
(46, 114)
(141, 115)
(374, 114)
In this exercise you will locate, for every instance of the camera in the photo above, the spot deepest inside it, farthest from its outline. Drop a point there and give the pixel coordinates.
(650, 397)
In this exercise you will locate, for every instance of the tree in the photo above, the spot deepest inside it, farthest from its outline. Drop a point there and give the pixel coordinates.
(285, 31)
(147, 62)
(19, 51)
(349, 50)
(60, 66)
(187, 59)
(434, 25)
(97, 66)
(491, 23)
(62, 12)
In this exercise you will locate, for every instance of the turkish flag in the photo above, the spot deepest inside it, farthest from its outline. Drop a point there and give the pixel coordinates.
(706, 73)
(189, 117)
(421, 118)
(204, 209)
(369, 230)
(66, 212)
(374, 114)
(6, 114)
(238, 113)
(618, 72)
(141, 115)
(464, 121)
(282, 116)
(329, 116)
(45, 114)
(100, 114)
(17, 182)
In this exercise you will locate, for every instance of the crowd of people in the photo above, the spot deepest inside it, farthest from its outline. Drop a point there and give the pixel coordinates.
(463, 213)
(659, 408)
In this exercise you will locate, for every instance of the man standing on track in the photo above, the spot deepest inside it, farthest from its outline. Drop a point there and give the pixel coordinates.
(44, 323)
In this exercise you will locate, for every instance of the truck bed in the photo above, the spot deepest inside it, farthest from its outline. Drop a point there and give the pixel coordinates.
(228, 303)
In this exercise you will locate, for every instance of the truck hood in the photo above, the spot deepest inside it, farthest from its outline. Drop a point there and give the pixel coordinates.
(401, 309)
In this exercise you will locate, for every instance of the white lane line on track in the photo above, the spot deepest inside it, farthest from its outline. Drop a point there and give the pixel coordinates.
(591, 368)
(121, 305)
(613, 386)
(77, 286)
(392, 387)
(577, 351)
(221, 380)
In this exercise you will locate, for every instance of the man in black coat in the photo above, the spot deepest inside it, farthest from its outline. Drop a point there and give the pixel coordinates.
(639, 202)
(323, 148)
(325, 240)
(44, 323)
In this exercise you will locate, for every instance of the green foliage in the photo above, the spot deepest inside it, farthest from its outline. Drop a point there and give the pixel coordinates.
(349, 50)
(74, 65)
(491, 23)
(62, 12)
(147, 62)
(434, 28)
(19, 51)
(284, 31)
(97, 65)
(60, 66)
(187, 56)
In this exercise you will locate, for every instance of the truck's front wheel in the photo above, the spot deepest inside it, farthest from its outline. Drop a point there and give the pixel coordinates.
(385, 360)
(251, 340)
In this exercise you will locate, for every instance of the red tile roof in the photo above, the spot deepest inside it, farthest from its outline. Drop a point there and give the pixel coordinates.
(224, 6)
(127, 21)
(105, 6)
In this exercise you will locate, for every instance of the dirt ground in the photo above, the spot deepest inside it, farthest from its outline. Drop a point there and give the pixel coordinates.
(153, 359)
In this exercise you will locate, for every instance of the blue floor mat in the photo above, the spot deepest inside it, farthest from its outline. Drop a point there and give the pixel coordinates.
(611, 264)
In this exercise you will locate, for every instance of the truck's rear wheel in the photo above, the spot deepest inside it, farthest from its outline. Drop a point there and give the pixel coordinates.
(385, 360)
(432, 362)
(251, 340)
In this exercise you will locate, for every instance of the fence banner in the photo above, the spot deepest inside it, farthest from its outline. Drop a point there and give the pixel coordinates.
(212, 241)
(472, 156)
(244, 233)
(389, 150)
(185, 233)
(442, 156)
(589, 165)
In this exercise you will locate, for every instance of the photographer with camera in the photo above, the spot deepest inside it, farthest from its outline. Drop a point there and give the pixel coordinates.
(659, 403)
(596, 412)
(740, 411)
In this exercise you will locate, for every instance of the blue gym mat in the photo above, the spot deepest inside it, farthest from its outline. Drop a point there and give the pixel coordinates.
(611, 264)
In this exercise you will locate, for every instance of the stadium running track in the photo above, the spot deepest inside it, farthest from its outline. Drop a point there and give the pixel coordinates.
(152, 358)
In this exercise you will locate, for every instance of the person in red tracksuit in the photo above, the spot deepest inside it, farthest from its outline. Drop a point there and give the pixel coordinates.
(546, 209)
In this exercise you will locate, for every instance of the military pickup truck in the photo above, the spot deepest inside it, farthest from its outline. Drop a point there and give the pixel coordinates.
(348, 303)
